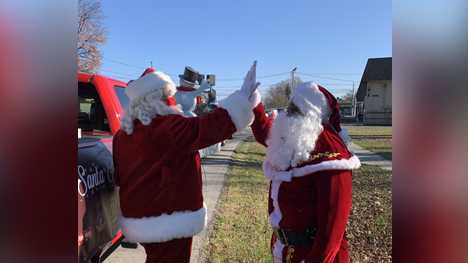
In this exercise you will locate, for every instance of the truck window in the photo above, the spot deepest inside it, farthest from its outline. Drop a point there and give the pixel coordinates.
(120, 91)
(92, 116)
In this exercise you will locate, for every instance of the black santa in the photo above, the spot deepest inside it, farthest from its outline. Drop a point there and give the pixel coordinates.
(310, 168)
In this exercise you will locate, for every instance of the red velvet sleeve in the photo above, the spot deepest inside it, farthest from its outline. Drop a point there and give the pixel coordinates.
(195, 133)
(334, 205)
(261, 125)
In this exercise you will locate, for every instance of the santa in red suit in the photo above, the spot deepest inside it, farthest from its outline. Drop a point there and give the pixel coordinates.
(157, 164)
(310, 168)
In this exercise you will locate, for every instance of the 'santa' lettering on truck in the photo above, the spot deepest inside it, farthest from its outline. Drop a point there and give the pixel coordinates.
(101, 104)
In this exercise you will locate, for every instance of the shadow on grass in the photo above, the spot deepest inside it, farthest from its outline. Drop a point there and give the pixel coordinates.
(248, 184)
(234, 163)
(385, 155)
(250, 139)
(258, 154)
(246, 164)
(370, 137)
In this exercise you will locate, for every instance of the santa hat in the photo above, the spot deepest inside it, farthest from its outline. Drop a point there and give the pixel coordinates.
(151, 80)
(148, 70)
(309, 96)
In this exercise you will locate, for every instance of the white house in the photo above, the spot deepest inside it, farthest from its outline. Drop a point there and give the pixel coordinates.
(374, 96)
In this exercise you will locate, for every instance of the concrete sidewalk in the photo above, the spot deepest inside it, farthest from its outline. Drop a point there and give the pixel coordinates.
(214, 168)
(370, 158)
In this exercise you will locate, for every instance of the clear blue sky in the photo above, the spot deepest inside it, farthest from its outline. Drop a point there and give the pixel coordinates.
(331, 40)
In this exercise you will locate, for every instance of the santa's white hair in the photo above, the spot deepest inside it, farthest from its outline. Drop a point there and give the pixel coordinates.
(145, 108)
(293, 138)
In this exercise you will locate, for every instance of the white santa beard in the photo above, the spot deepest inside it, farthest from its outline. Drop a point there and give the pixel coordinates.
(291, 139)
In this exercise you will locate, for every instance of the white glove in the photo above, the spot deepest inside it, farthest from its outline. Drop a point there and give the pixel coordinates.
(239, 104)
(255, 98)
(250, 85)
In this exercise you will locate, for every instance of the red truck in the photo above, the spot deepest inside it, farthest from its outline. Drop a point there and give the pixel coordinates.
(101, 104)
(102, 100)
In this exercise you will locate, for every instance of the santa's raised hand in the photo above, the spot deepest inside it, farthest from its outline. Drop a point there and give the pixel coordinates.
(250, 85)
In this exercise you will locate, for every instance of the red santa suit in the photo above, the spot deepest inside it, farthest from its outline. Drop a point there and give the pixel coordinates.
(157, 166)
(313, 197)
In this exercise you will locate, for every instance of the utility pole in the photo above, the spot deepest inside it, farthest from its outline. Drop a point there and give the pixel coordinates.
(293, 81)
(151, 63)
(353, 103)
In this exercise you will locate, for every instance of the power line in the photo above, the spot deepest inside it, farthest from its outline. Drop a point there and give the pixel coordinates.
(219, 79)
(321, 77)
(331, 73)
(315, 75)
(285, 73)
(334, 84)
(118, 73)
(124, 64)
(259, 77)
(121, 78)
(135, 66)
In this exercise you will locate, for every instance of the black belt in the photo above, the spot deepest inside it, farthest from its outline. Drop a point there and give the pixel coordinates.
(295, 238)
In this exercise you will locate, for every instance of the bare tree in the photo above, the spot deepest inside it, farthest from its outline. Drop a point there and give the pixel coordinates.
(347, 98)
(90, 35)
(278, 95)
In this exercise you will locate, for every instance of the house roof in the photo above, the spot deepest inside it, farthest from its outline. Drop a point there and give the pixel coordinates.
(376, 69)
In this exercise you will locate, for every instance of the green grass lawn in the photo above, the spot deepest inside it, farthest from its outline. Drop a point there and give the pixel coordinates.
(377, 139)
(241, 232)
(369, 130)
(370, 225)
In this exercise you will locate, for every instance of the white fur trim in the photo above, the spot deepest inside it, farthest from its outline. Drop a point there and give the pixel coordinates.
(345, 136)
(275, 216)
(256, 98)
(278, 252)
(151, 82)
(165, 227)
(308, 97)
(342, 164)
(286, 176)
(239, 109)
(273, 175)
